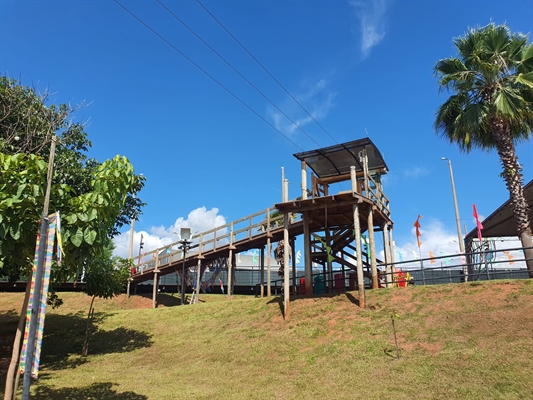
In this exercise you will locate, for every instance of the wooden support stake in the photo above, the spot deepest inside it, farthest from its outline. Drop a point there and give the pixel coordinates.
(386, 250)
(286, 287)
(359, 253)
(262, 278)
(307, 257)
(372, 241)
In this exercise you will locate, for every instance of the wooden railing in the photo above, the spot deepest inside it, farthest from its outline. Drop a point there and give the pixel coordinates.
(241, 230)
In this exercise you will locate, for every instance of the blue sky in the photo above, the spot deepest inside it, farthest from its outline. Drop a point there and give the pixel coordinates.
(359, 67)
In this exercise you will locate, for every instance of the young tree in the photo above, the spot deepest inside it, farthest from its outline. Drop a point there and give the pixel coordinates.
(95, 199)
(491, 107)
(104, 277)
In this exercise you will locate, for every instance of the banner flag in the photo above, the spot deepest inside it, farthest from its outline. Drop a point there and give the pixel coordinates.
(478, 223)
(417, 226)
(400, 255)
(509, 257)
(431, 256)
(41, 311)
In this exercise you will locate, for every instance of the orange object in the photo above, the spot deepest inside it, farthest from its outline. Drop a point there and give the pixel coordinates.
(400, 278)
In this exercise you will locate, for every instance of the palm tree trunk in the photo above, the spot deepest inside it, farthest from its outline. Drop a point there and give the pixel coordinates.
(514, 181)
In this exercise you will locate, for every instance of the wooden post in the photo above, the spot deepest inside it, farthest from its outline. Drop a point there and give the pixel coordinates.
(156, 281)
(230, 263)
(391, 244)
(386, 250)
(293, 255)
(269, 253)
(286, 296)
(358, 250)
(198, 276)
(199, 271)
(304, 180)
(262, 279)
(307, 257)
(371, 239)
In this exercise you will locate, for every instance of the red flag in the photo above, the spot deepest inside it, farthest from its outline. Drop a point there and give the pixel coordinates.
(417, 226)
(478, 223)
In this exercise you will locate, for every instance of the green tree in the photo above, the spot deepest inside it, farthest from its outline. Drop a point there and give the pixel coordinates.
(491, 106)
(95, 199)
(104, 277)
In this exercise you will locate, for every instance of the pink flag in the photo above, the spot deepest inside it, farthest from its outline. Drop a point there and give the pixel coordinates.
(478, 223)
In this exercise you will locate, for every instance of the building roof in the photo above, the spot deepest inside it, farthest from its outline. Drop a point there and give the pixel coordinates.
(336, 160)
(501, 223)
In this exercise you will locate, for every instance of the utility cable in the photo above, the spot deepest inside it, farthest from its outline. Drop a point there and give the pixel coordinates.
(204, 71)
(266, 70)
(236, 71)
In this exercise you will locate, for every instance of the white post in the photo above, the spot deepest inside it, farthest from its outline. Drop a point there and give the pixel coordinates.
(304, 180)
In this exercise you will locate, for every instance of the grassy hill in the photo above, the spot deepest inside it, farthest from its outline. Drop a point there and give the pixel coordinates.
(469, 341)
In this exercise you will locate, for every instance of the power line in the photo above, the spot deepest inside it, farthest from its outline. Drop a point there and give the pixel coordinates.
(266, 70)
(204, 71)
(236, 71)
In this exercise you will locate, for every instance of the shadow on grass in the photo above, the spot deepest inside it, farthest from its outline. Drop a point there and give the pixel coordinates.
(352, 299)
(164, 299)
(64, 336)
(100, 391)
(279, 301)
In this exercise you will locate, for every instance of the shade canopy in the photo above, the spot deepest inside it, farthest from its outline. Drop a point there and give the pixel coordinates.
(501, 223)
(336, 160)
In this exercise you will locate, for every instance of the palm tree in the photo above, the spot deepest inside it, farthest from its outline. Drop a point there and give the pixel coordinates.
(492, 106)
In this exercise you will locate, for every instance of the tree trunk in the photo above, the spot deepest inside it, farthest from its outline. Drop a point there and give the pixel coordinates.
(514, 181)
(15, 354)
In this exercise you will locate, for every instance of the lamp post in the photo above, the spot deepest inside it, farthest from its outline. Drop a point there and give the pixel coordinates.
(185, 245)
(457, 218)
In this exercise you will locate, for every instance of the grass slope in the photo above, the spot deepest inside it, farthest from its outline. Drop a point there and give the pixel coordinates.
(469, 341)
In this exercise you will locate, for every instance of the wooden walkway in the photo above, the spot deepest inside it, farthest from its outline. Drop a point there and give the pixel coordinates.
(253, 232)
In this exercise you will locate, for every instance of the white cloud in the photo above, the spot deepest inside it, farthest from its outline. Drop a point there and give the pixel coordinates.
(415, 172)
(317, 100)
(199, 220)
(371, 16)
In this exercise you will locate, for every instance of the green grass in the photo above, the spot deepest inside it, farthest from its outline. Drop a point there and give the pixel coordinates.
(456, 341)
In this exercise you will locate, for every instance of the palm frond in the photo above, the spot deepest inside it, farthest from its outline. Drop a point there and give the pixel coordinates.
(508, 102)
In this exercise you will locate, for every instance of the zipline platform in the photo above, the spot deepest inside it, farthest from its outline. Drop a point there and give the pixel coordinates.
(330, 223)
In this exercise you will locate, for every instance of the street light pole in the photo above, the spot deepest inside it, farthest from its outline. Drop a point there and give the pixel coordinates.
(185, 244)
(457, 218)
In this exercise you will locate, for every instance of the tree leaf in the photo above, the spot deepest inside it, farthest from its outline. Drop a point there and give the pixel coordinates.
(77, 238)
(89, 235)
(14, 231)
(92, 214)
(525, 79)
(71, 218)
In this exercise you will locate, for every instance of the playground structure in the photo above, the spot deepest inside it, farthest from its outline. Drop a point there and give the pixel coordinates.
(332, 226)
